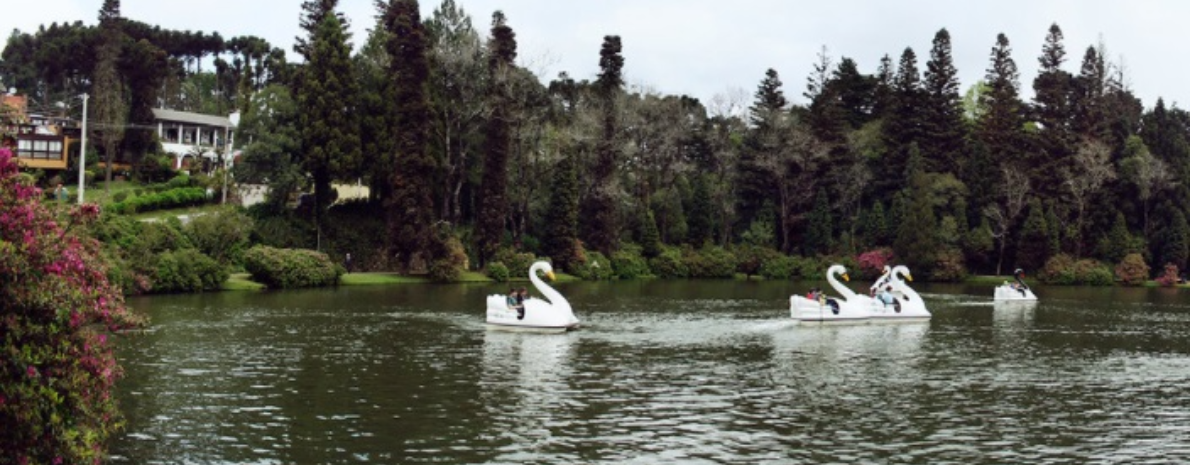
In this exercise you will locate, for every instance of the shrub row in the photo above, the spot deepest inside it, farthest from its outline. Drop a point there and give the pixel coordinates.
(174, 198)
(1063, 269)
(187, 270)
(289, 268)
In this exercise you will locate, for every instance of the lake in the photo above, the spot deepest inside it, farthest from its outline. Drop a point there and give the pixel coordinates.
(662, 372)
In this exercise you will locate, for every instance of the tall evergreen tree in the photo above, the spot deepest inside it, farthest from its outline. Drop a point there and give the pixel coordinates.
(1000, 129)
(493, 193)
(700, 222)
(409, 209)
(1052, 93)
(650, 237)
(943, 138)
(902, 126)
(917, 242)
(1033, 244)
(882, 92)
(327, 99)
(372, 65)
(313, 12)
(826, 115)
(819, 230)
(1090, 118)
(561, 220)
(111, 109)
(599, 208)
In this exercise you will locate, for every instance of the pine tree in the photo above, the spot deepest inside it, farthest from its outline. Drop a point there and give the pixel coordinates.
(1116, 244)
(878, 226)
(943, 137)
(1033, 244)
(376, 111)
(700, 222)
(111, 110)
(1000, 128)
(1173, 240)
(1090, 117)
(599, 208)
(1052, 92)
(650, 238)
(409, 208)
(313, 12)
(882, 93)
(1055, 229)
(819, 232)
(917, 243)
(753, 184)
(902, 126)
(326, 102)
(493, 195)
(562, 217)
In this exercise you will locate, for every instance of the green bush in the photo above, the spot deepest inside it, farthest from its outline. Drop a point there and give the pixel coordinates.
(120, 196)
(222, 235)
(177, 182)
(289, 268)
(1132, 270)
(1093, 273)
(174, 198)
(187, 270)
(710, 262)
(518, 262)
(669, 264)
(750, 258)
(627, 264)
(949, 267)
(782, 267)
(596, 267)
(1062, 269)
(1059, 269)
(498, 272)
(451, 261)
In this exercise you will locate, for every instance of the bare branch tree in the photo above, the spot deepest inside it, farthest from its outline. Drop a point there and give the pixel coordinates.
(1091, 169)
(1013, 194)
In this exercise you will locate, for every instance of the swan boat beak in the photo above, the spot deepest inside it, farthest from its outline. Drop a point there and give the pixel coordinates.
(551, 276)
(909, 277)
(846, 278)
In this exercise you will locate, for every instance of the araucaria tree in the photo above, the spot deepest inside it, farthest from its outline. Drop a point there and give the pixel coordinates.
(327, 99)
(111, 110)
(561, 240)
(493, 195)
(409, 208)
(58, 372)
(599, 207)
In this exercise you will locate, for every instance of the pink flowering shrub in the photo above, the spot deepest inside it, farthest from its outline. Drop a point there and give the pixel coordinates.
(872, 262)
(1170, 277)
(57, 368)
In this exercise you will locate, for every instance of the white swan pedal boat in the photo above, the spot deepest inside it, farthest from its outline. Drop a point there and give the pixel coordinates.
(549, 315)
(830, 310)
(1015, 291)
(907, 305)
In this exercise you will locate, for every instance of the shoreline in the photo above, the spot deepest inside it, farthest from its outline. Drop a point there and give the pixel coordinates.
(239, 282)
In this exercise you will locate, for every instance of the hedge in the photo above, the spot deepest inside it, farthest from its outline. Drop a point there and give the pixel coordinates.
(289, 268)
(173, 198)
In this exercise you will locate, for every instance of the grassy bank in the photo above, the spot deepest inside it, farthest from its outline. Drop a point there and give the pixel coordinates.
(244, 282)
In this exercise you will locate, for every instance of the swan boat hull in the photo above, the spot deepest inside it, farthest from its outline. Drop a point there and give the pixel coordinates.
(1007, 293)
(831, 312)
(540, 317)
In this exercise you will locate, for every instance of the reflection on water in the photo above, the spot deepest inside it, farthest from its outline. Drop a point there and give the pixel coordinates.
(662, 372)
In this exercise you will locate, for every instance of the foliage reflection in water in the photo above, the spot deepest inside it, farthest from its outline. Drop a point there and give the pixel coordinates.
(662, 372)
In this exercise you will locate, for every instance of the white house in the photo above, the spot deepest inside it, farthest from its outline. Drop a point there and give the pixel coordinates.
(187, 135)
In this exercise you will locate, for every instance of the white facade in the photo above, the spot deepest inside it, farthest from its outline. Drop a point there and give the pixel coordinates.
(195, 135)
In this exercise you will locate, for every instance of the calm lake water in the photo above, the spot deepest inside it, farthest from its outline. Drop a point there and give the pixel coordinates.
(662, 372)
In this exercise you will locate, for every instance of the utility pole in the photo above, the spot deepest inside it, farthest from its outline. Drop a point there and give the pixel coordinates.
(83, 152)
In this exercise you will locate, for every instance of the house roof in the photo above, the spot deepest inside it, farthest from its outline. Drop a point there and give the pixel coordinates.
(192, 118)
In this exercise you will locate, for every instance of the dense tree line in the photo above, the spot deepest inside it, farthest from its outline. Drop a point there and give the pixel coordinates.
(458, 140)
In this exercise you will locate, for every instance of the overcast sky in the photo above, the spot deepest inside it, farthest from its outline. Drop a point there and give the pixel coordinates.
(703, 47)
